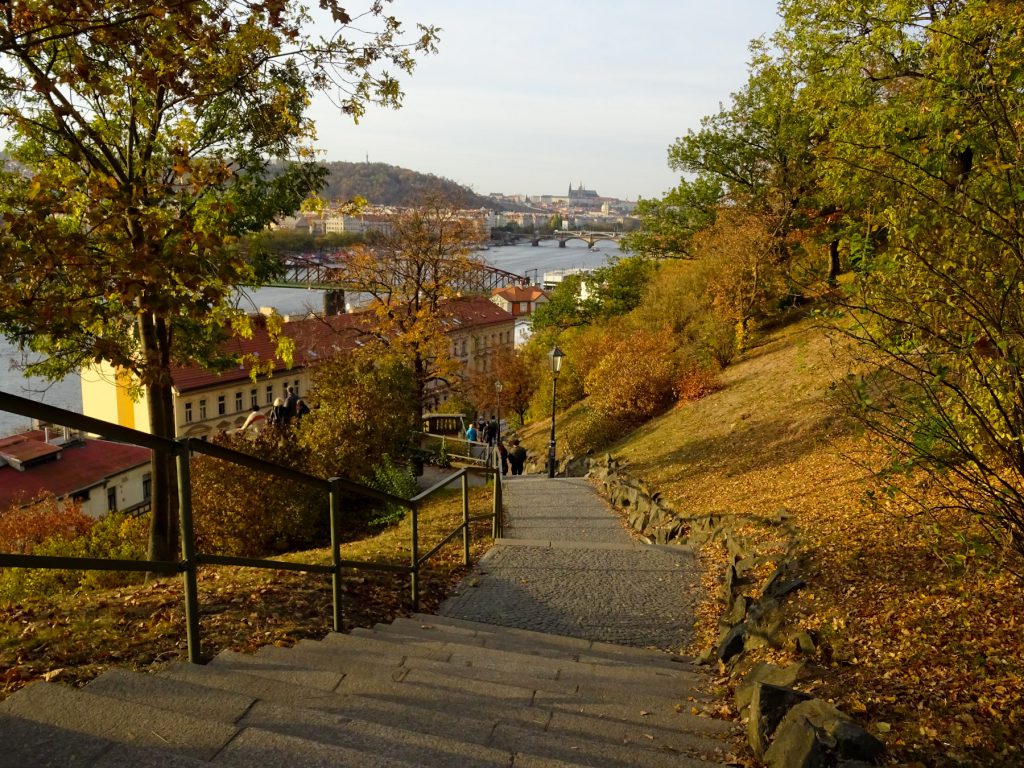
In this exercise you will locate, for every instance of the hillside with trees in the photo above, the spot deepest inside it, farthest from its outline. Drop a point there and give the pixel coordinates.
(383, 184)
(868, 178)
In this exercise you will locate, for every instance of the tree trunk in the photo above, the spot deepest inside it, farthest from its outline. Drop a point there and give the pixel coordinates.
(163, 529)
(833, 263)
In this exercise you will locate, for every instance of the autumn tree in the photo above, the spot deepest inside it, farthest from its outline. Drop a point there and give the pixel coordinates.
(924, 105)
(518, 383)
(425, 260)
(608, 291)
(363, 407)
(668, 224)
(139, 142)
(757, 153)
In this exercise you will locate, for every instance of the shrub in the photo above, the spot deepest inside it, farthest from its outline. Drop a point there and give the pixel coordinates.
(696, 381)
(592, 431)
(395, 480)
(247, 513)
(23, 528)
(635, 378)
(114, 536)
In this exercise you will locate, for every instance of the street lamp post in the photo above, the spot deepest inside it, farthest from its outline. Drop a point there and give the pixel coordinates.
(556, 356)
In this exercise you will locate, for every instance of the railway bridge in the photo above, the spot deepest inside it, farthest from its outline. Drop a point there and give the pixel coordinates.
(327, 272)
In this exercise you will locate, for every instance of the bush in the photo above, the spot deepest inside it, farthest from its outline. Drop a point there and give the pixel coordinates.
(593, 431)
(395, 480)
(115, 536)
(696, 381)
(635, 378)
(23, 528)
(246, 513)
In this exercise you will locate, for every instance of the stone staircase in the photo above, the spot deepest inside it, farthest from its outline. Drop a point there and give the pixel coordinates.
(425, 691)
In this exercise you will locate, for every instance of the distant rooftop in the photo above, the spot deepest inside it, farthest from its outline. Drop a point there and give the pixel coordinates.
(60, 469)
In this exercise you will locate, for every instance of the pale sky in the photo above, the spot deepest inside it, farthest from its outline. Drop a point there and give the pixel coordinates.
(528, 96)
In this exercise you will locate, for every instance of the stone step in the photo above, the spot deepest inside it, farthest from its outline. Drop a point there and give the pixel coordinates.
(170, 694)
(425, 691)
(670, 679)
(620, 706)
(607, 752)
(540, 643)
(256, 748)
(463, 731)
(451, 714)
(141, 725)
(603, 697)
(386, 740)
(331, 729)
(313, 654)
(385, 709)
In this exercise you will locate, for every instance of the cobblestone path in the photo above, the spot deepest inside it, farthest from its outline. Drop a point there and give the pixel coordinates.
(567, 566)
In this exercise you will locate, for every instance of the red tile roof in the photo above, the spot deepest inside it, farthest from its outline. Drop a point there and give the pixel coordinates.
(319, 336)
(474, 312)
(519, 293)
(82, 464)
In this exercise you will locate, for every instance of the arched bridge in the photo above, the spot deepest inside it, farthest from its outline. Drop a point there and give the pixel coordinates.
(590, 238)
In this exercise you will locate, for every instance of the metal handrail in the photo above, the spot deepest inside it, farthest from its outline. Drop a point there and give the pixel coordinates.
(182, 449)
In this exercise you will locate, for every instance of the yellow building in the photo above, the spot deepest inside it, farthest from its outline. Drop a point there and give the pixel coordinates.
(207, 402)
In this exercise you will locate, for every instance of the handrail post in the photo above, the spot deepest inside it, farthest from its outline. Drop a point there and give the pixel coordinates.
(415, 559)
(496, 531)
(188, 553)
(465, 518)
(335, 507)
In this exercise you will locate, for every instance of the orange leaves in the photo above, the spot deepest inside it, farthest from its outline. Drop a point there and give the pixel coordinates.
(22, 528)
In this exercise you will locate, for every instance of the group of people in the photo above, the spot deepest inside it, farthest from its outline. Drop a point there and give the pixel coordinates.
(490, 433)
(281, 413)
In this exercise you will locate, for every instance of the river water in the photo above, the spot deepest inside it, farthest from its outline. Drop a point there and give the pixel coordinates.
(521, 259)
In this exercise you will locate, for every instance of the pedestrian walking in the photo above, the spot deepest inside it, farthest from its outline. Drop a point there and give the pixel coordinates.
(517, 457)
(290, 404)
(256, 419)
(279, 414)
(503, 455)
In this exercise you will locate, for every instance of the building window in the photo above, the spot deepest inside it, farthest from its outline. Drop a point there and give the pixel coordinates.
(188, 413)
(238, 401)
(463, 347)
(270, 394)
(202, 409)
(147, 486)
(254, 399)
(222, 407)
(112, 499)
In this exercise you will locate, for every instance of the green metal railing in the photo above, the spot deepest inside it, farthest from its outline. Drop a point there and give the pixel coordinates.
(182, 449)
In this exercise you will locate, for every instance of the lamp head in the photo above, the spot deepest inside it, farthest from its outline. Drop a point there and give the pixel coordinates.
(556, 356)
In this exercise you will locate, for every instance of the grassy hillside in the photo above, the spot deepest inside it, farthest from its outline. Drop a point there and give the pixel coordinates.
(917, 618)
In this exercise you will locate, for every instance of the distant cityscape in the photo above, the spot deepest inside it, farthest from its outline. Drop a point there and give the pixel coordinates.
(578, 209)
